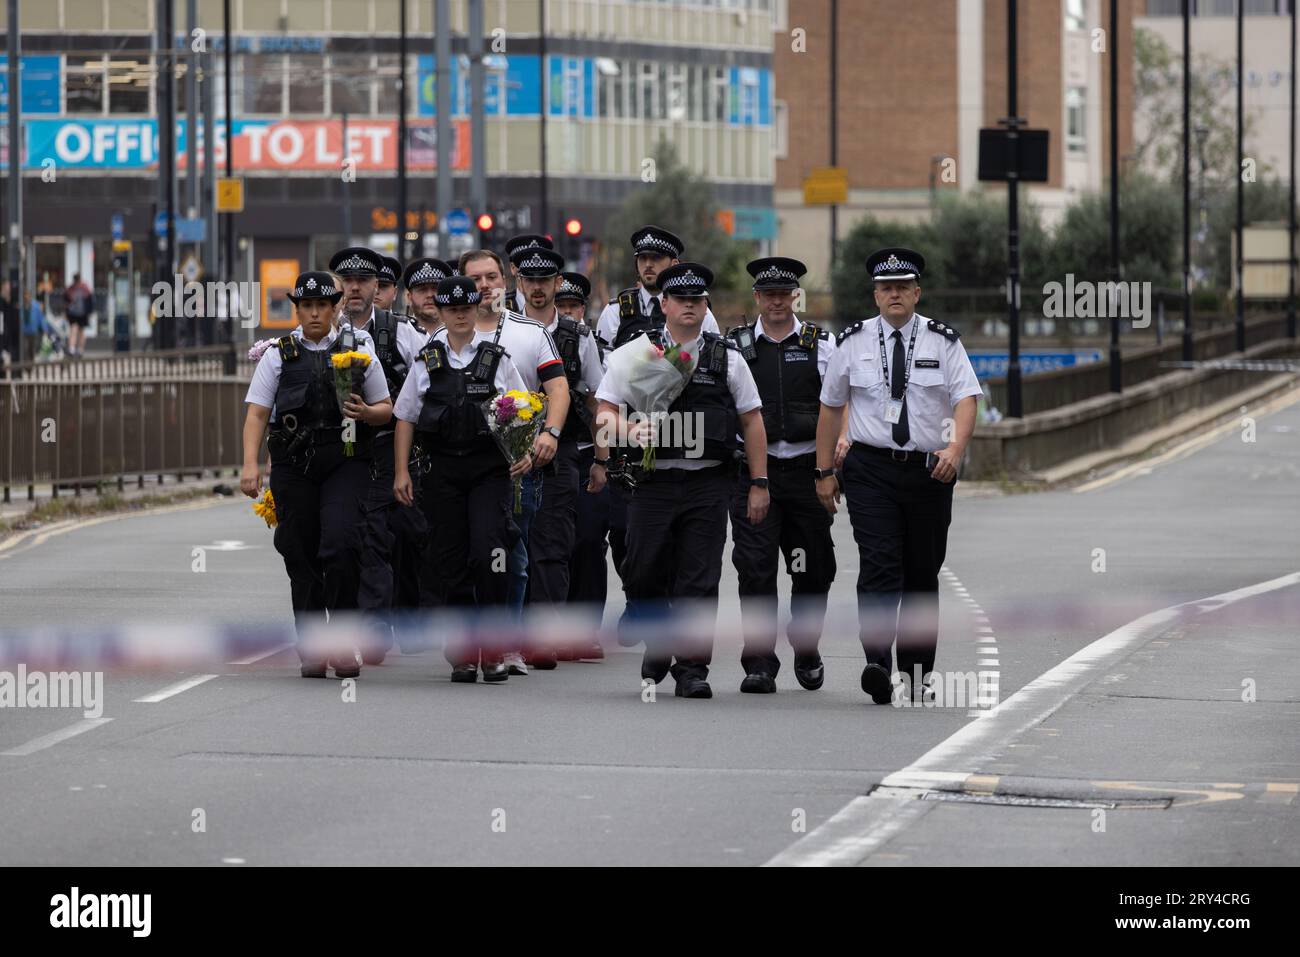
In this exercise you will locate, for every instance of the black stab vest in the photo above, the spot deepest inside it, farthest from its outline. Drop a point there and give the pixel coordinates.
(632, 322)
(790, 387)
(305, 402)
(708, 396)
(451, 417)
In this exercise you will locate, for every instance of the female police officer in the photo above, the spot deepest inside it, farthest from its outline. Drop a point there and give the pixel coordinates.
(466, 494)
(319, 465)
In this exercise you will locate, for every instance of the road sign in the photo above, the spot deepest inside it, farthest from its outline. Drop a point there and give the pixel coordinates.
(989, 363)
(191, 230)
(190, 268)
(826, 185)
(160, 224)
(458, 222)
(117, 226)
(230, 194)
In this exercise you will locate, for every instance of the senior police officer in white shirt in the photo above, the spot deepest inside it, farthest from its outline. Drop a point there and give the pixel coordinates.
(911, 393)
(677, 517)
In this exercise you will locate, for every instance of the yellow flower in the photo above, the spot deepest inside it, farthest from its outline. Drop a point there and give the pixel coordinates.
(535, 401)
(342, 360)
(517, 395)
(524, 414)
(264, 508)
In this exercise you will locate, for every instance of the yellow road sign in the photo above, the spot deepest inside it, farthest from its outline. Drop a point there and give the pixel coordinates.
(230, 194)
(826, 185)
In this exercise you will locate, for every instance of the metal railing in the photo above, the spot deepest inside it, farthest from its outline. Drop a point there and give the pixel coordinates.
(203, 362)
(79, 433)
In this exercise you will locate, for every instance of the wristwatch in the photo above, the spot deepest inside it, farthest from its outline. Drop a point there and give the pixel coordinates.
(759, 482)
(603, 463)
(553, 432)
(823, 473)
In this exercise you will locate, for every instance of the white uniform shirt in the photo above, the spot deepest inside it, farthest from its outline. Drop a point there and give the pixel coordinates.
(942, 375)
(411, 398)
(782, 449)
(740, 382)
(266, 377)
(607, 325)
(589, 353)
(530, 347)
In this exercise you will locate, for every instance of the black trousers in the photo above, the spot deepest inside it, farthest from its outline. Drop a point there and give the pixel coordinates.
(619, 500)
(798, 528)
(553, 529)
(900, 517)
(676, 531)
(393, 542)
(318, 499)
(468, 503)
(588, 577)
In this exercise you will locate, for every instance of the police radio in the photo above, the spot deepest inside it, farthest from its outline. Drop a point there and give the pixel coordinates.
(486, 359)
(744, 337)
(717, 357)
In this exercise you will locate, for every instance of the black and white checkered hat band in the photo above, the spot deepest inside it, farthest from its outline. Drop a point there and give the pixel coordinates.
(651, 242)
(773, 273)
(687, 278)
(537, 262)
(313, 290)
(894, 265)
(353, 263)
(425, 275)
(387, 273)
(457, 297)
(569, 289)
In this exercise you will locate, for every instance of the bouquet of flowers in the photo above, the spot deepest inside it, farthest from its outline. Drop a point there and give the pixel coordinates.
(259, 347)
(347, 382)
(654, 378)
(264, 508)
(514, 419)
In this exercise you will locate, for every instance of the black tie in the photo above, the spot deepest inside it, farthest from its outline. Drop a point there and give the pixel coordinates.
(901, 431)
(656, 310)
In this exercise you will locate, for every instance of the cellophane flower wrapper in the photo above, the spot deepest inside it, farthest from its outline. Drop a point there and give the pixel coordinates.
(652, 381)
(514, 419)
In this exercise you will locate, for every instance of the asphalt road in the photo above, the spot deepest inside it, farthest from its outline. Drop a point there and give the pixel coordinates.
(1148, 727)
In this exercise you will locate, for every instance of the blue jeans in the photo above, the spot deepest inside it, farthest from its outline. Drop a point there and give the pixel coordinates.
(517, 563)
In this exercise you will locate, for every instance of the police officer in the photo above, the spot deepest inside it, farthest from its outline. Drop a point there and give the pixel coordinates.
(393, 536)
(467, 494)
(550, 540)
(677, 517)
(318, 487)
(788, 357)
(390, 273)
(911, 393)
(421, 280)
(588, 576)
(639, 308)
(514, 295)
(534, 354)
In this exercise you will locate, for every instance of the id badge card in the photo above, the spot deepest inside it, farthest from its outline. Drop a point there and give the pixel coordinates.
(893, 411)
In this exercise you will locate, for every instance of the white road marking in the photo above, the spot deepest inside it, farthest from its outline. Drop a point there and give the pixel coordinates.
(254, 659)
(20, 543)
(866, 824)
(170, 690)
(54, 737)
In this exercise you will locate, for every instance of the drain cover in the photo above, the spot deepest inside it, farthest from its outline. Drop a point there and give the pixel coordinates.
(1024, 800)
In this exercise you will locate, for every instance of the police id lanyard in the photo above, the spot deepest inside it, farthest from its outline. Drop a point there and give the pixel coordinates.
(894, 407)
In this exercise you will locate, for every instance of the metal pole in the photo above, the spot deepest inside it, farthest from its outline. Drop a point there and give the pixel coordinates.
(1241, 196)
(228, 225)
(402, 253)
(192, 136)
(347, 193)
(1015, 407)
(1187, 181)
(1290, 270)
(834, 113)
(1116, 364)
(478, 130)
(14, 200)
(545, 87)
(211, 265)
(442, 61)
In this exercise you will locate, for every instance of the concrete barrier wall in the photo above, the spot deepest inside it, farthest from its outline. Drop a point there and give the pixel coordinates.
(1019, 448)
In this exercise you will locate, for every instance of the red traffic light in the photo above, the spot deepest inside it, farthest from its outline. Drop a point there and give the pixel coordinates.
(484, 222)
(573, 227)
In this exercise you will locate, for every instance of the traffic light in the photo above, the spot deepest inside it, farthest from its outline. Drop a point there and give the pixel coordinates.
(572, 241)
(573, 227)
(485, 224)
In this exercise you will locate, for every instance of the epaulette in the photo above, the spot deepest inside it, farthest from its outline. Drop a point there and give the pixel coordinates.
(288, 348)
(948, 332)
(848, 332)
(823, 334)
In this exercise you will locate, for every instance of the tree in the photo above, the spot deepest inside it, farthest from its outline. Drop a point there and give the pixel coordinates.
(680, 201)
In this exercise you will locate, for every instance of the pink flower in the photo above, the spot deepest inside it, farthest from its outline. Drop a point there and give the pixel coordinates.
(259, 347)
(685, 356)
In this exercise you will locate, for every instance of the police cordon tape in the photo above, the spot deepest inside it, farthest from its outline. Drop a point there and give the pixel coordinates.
(161, 644)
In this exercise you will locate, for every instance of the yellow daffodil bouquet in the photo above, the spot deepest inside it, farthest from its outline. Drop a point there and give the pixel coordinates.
(264, 508)
(349, 372)
(514, 419)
